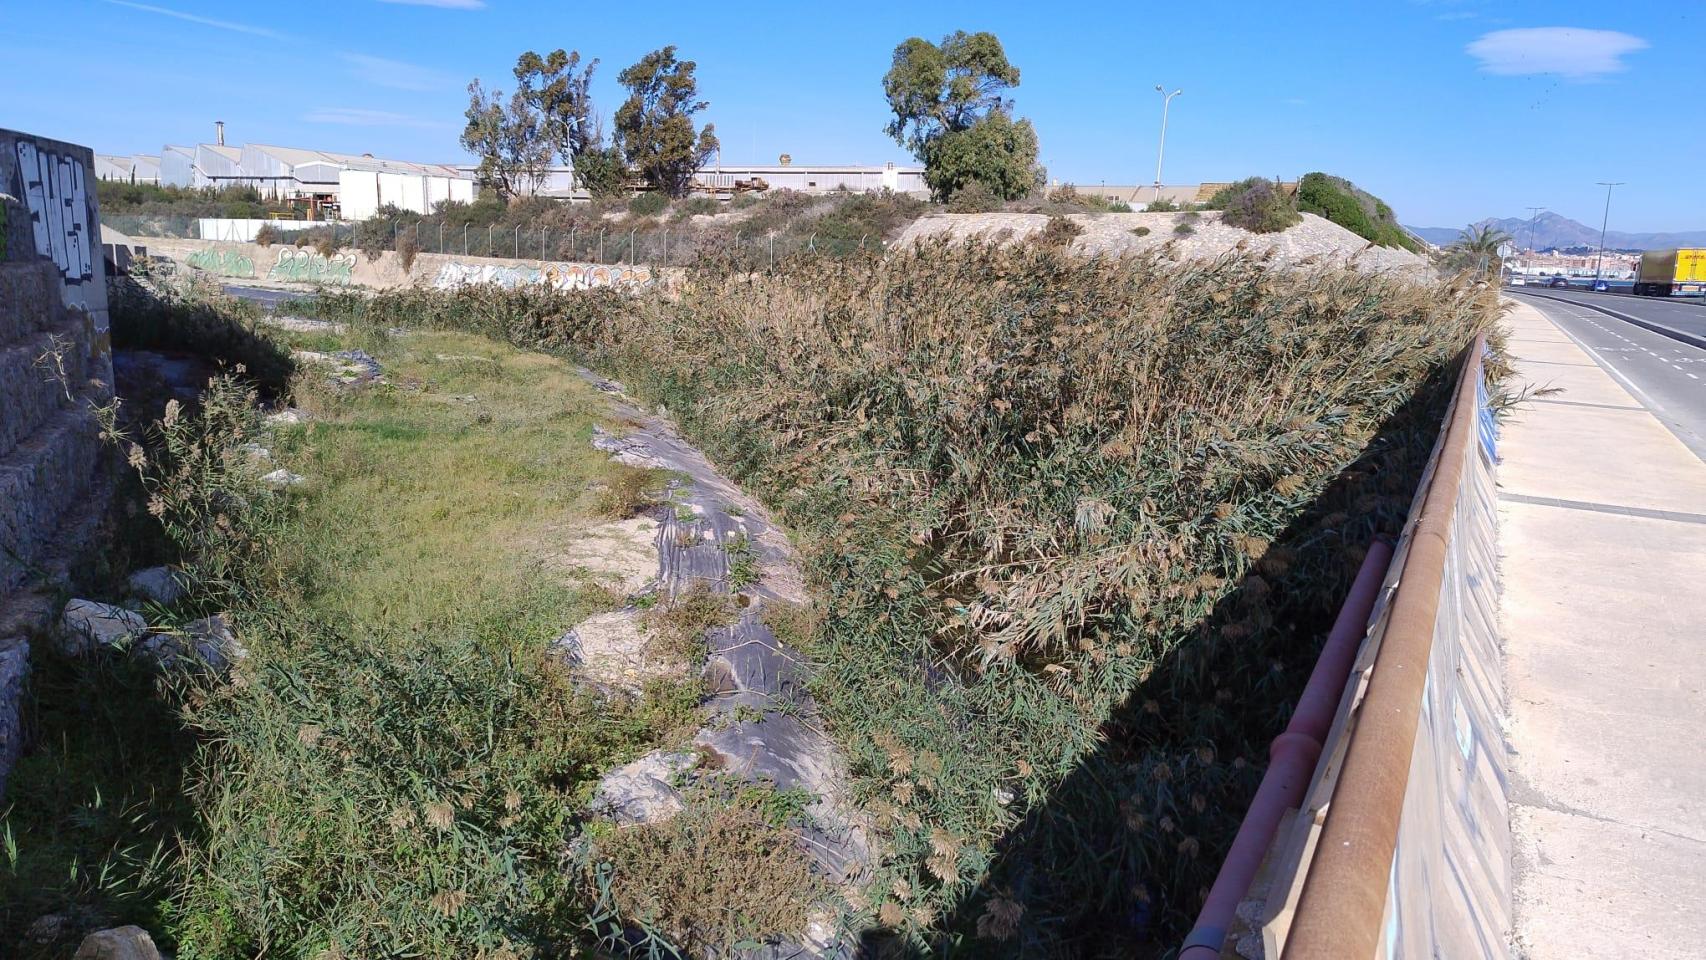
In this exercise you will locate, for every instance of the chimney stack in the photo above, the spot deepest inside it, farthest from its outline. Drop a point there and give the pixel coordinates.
(219, 131)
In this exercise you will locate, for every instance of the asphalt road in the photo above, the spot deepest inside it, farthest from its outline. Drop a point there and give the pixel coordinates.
(1687, 314)
(1666, 376)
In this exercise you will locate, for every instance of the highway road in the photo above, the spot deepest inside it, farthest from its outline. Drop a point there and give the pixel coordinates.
(1666, 376)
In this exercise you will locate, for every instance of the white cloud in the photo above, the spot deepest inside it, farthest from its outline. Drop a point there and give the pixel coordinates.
(204, 21)
(446, 4)
(357, 117)
(1565, 51)
(398, 75)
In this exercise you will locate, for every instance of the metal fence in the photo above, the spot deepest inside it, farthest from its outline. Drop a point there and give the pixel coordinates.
(1401, 849)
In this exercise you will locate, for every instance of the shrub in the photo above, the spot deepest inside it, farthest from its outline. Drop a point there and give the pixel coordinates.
(267, 235)
(698, 206)
(648, 204)
(1257, 205)
(1161, 205)
(1184, 229)
(974, 197)
(1358, 211)
(1140, 231)
(1059, 232)
(408, 248)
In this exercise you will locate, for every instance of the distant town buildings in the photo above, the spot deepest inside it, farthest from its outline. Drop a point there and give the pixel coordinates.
(1614, 265)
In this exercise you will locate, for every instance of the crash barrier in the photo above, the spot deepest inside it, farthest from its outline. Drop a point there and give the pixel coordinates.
(1401, 846)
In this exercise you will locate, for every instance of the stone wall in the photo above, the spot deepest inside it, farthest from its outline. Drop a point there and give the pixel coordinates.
(55, 362)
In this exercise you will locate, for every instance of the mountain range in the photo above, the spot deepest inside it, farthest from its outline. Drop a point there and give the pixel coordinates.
(1551, 230)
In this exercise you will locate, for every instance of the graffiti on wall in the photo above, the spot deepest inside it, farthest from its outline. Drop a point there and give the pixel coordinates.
(58, 202)
(309, 266)
(226, 263)
(561, 276)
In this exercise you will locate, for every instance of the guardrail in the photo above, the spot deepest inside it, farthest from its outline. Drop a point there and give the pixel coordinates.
(1401, 847)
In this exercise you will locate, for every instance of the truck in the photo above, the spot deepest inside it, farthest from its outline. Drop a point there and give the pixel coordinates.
(1672, 273)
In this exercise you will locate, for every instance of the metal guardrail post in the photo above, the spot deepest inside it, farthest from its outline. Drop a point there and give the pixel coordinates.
(1340, 911)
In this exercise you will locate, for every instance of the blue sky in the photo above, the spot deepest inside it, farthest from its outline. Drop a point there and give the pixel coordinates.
(1451, 110)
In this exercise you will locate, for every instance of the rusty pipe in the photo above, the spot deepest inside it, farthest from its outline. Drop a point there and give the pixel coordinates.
(1291, 758)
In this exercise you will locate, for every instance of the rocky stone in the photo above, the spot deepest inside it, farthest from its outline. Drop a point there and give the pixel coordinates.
(161, 585)
(281, 479)
(87, 625)
(631, 451)
(119, 943)
(643, 791)
(256, 453)
(283, 418)
(207, 642)
(14, 668)
(612, 650)
(621, 554)
(294, 324)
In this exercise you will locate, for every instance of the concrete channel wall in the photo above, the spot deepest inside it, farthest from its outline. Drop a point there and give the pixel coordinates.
(283, 263)
(55, 362)
(55, 349)
(1401, 850)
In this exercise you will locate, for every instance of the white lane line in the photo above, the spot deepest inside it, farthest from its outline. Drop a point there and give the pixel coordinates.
(1606, 365)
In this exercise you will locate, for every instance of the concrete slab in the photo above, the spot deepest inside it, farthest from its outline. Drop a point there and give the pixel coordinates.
(1590, 889)
(1602, 520)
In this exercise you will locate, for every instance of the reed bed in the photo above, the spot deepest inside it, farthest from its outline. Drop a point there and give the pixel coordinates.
(1077, 527)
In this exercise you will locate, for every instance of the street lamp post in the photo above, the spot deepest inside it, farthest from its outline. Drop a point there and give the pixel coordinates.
(1602, 225)
(1161, 151)
(1533, 212)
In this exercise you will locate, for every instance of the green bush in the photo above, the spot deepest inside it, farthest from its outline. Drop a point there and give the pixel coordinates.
(1339, 200)
(648, 204)
(1256, 205)
(1161, 205)
(696, 207)
(974, 197)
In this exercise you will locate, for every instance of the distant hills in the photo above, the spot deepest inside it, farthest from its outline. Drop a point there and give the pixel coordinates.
(1552, 230)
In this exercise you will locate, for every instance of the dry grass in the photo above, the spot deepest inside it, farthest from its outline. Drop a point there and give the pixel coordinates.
(678, 626)
(724, 871)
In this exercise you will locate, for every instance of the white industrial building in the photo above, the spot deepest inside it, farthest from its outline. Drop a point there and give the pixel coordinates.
(361, 193)
(142, 168)
(722, 177)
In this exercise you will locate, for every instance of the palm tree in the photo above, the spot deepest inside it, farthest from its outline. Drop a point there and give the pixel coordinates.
(1477, 249)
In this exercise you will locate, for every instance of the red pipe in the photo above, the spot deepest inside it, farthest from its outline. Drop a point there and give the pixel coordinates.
(1291, 759)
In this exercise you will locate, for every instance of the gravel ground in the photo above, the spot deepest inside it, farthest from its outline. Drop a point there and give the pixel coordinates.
(1111, 233)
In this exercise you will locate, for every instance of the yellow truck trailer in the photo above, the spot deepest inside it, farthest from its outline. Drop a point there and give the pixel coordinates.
(1672, 273)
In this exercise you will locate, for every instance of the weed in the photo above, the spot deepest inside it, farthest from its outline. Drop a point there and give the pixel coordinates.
(1257, 205)
(624, 491)
(648, 204)
(678, 626)
(1140, 231)
(1162, 205)
(408, 248)
(268, 235)
(1059, 232)
(743, 563)
(725, 871)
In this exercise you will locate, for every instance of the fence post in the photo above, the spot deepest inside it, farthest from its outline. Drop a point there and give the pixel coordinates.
(573, 254)
(862, 237)
(441, 236)
(489, 227)
(541, 243)
(811, 242)
(772, 260)
(465, 238)
(665, 245)
(631, 257)
(518, 241)
(600, 244)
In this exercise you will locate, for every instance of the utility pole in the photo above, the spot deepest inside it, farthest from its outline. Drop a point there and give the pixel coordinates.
(1602, 224)
(1532, 213)
(1161, 152)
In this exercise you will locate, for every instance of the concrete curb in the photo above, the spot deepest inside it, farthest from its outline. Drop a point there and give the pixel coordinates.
(1658, 328)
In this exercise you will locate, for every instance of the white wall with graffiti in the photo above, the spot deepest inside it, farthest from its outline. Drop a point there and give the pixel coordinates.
(306, 265)
(561, 276)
